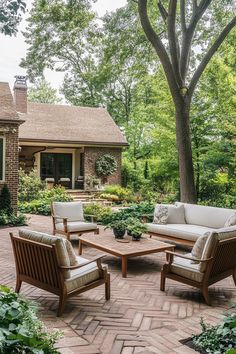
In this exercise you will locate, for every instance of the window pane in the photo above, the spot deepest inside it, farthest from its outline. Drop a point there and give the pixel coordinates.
(1, 158)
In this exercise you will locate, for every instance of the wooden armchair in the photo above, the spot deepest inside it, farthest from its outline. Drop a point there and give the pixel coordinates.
(68, 219)
(218, 261)
(49, 262)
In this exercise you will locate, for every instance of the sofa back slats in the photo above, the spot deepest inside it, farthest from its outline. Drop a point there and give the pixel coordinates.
(36, 261)
(225, 257)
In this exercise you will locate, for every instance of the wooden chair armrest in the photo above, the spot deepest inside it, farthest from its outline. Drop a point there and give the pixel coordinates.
(92, 217)
(59, 217)
(95, 259)
(172, 254)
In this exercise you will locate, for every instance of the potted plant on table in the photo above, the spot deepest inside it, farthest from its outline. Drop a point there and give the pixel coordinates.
(118, 227)
(136, 229)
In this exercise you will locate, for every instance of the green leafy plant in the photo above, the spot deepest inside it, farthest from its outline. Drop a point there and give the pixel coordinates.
(21, 331)
(100, 212)
(30, 185)
(219, 339)
(105, 165)
(136, 228)
(12, 219)
(42, 205)
(5, 200)
(117, 193)
(118, 227)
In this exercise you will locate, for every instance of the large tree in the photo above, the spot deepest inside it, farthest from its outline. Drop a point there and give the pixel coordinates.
(185, 35)
(10, 15)
(42, 92)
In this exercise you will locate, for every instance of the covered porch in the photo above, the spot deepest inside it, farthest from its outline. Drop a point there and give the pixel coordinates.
(69, 165)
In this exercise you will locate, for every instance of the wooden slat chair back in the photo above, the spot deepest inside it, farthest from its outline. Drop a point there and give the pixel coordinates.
(220, 265)
(37, 264)
(224, 260)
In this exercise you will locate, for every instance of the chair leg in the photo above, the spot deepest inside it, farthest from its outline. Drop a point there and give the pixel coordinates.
(96, 232)
(62, 300)
(18, 285)
(163, 281)
(68, 236)
(205, 293)
(108, 287)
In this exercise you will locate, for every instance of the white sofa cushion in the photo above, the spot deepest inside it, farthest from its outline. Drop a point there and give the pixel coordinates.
(206, 216)
(231, 221)
(186, 269)
(59, 242)
(169, 214)
(73, 211)
(77, 226)
(183, 231)
(83, 276)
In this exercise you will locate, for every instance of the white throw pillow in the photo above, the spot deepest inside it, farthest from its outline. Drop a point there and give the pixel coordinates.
(169, 214)
(199, 245)
(176, 214)
(231, 221)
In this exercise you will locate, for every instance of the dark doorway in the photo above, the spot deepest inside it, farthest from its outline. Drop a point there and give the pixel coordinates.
(56, 166)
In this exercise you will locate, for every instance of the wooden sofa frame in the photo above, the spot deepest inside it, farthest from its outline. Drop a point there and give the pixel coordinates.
(65, 223)
(37, 264)
(221, 265)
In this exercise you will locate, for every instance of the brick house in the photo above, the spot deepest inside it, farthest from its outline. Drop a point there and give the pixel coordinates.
(61, 142)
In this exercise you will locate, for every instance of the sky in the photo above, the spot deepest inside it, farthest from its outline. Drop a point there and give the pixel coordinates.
(12, 49)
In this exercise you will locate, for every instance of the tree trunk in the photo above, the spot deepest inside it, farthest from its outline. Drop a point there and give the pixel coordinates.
(186, 173)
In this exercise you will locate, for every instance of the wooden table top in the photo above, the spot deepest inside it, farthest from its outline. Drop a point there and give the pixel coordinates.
(108, 243)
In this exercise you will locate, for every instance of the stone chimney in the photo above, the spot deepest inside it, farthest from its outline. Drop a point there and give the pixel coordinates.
(20, 94)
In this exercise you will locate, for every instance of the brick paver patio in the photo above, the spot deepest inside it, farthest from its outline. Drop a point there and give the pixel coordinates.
(139, 318)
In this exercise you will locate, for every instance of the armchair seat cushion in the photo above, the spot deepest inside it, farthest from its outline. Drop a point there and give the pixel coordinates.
(185, 268)
(77, 226)
(84, 275)
(183, 231)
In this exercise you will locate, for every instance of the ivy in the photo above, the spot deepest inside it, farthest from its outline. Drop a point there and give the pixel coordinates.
(105, 165)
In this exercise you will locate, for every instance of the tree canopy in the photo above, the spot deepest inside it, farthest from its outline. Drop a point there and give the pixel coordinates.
(10, 15)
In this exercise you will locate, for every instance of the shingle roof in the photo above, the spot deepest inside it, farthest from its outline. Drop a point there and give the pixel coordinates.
(72, 124)
(7, 109)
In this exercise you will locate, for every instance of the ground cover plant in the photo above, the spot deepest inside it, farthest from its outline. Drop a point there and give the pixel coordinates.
(220, 339)
(7, 215)
(20, 329)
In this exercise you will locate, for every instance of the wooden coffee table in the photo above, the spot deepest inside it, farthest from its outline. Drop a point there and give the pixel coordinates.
(108, 244)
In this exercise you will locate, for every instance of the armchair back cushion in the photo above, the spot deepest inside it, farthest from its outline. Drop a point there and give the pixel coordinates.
(60, 243)
(73, 211)
(206, 216)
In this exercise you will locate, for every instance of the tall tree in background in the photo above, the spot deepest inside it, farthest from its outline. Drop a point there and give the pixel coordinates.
(178, 29)
(42, 92)
(10, 15)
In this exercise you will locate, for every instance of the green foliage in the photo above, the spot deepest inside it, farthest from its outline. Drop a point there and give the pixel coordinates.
(5, 201)
(42, 205)
(21, 331)
(10, 15)
(99, 212)
(135, 211)
(117, 194)
(119, 225)
(105, 165)
(219, 339)
(136, 228)
(12, 219)
(30, 185)
(42, 92)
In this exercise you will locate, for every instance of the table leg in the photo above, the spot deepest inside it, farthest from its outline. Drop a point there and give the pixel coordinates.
(80, 247)
(167, 255)
(124, 266)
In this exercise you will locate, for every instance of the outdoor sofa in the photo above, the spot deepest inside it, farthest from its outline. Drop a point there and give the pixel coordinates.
(184, 223)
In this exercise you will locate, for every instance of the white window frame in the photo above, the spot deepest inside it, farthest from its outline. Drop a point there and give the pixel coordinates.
(3, 158)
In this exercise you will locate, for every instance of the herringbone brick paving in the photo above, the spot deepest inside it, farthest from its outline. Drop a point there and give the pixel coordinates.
(139, 318)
